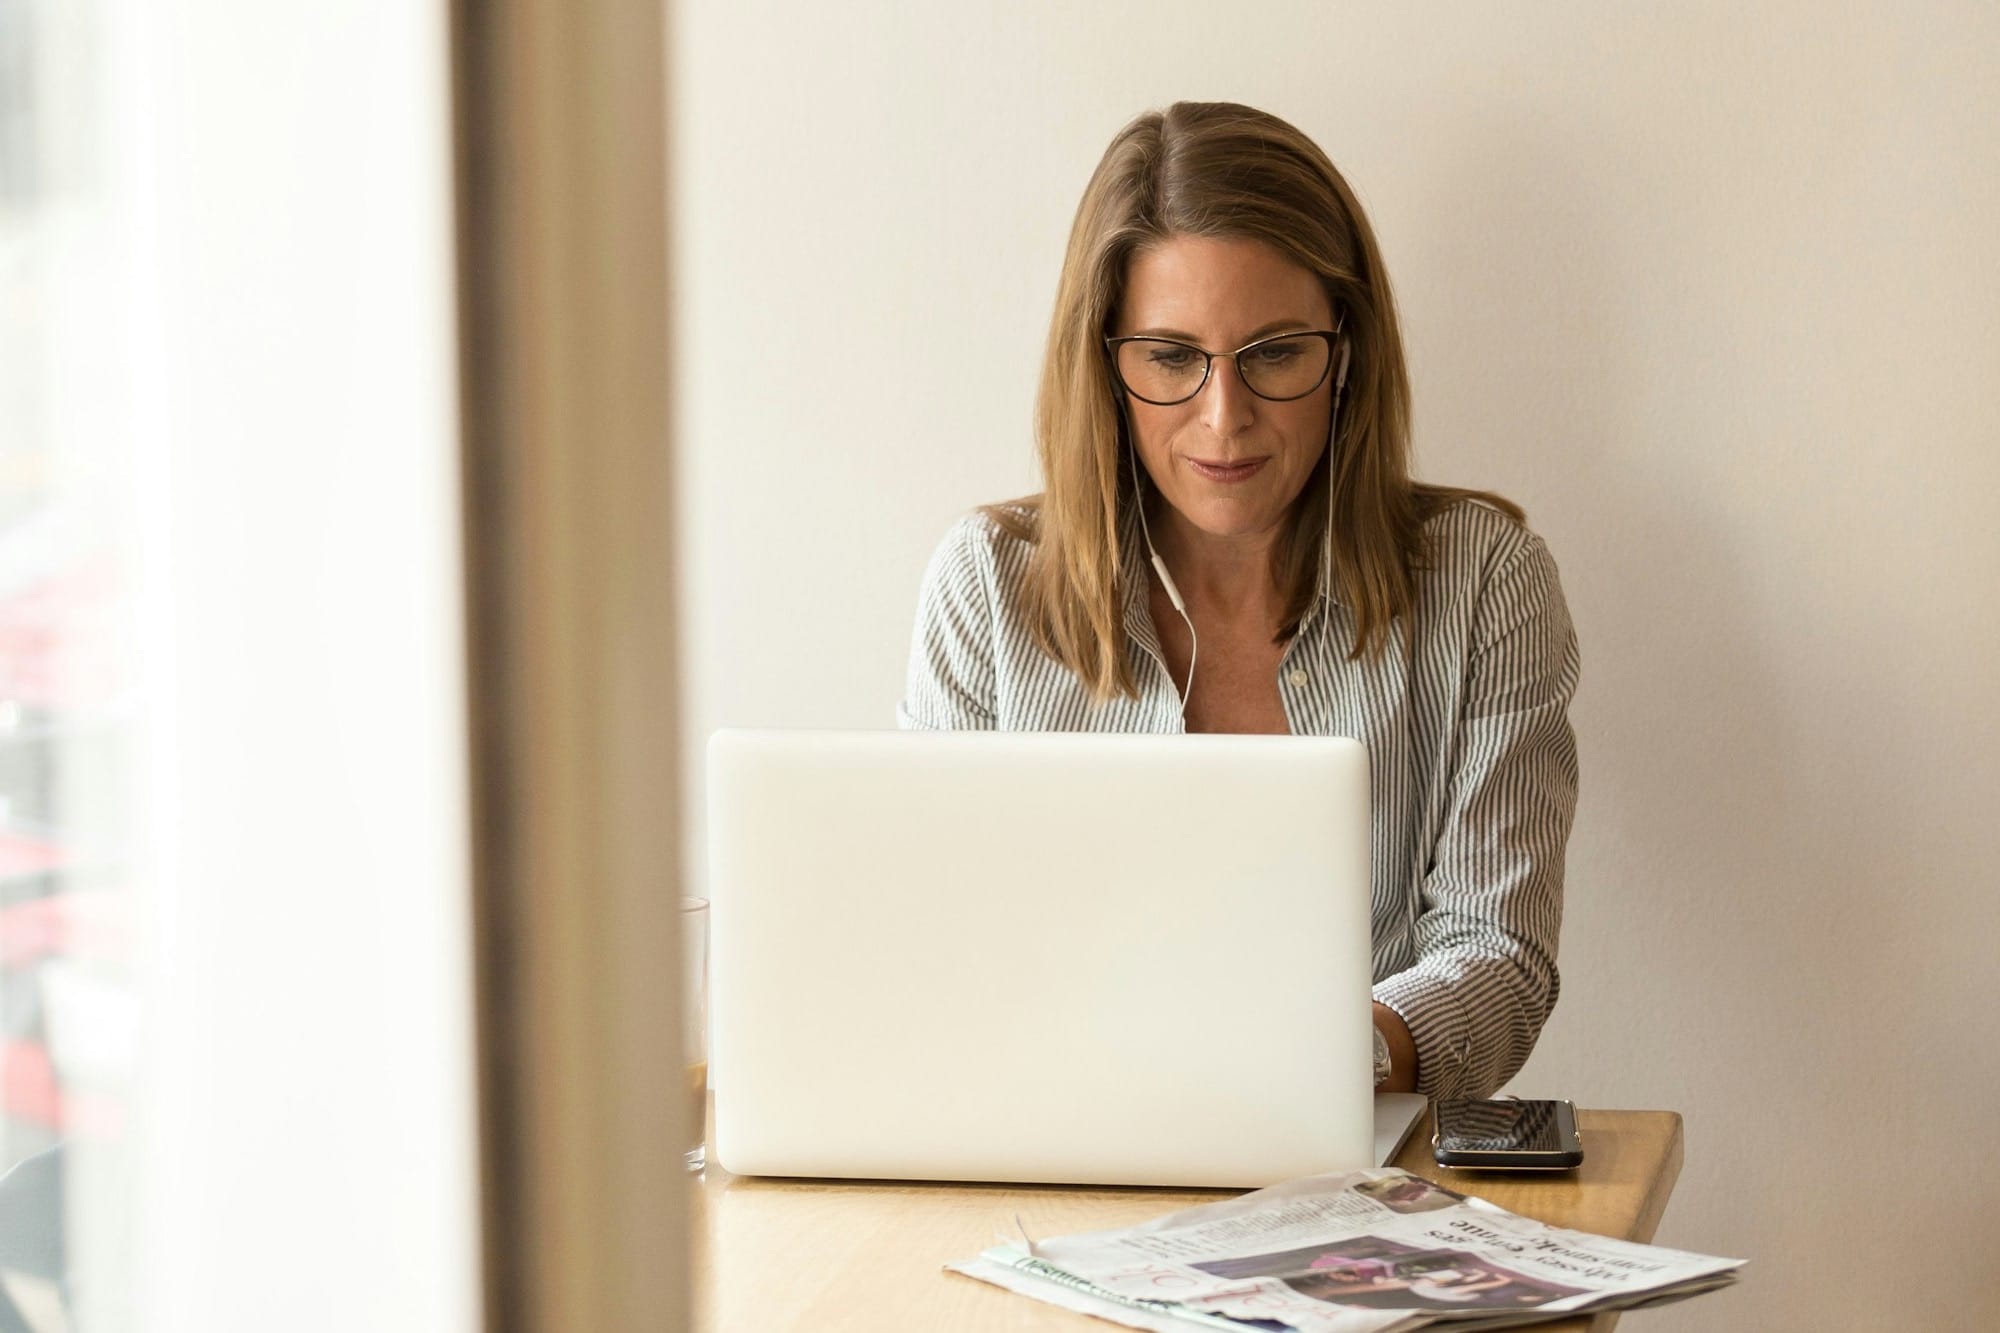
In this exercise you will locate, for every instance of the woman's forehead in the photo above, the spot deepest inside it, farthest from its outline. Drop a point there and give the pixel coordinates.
(1230, 289)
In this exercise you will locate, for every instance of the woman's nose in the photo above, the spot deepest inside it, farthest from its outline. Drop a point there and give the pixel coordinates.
(1228, 407)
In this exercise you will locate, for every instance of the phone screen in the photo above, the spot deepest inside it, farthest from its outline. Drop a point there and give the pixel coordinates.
(1505, 1126)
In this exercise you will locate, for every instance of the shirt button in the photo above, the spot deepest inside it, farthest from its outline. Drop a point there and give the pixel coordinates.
(1299, 676)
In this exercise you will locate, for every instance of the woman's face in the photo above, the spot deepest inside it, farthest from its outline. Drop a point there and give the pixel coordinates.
(1231, 464)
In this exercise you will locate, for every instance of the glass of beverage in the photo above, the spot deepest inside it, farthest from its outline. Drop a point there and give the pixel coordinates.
(694, 1009)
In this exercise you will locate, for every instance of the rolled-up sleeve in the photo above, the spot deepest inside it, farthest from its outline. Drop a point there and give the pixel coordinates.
(950, 686)
(1485, 978)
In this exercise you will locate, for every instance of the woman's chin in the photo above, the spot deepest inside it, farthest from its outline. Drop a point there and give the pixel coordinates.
(1229, 518)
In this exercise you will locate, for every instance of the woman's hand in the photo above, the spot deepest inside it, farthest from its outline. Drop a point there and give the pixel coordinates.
(1402, 1050)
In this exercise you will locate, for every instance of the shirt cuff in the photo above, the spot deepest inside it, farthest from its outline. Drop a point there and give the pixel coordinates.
(1438, 1027)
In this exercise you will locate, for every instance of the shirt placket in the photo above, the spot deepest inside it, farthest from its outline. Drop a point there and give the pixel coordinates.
(1307, 680)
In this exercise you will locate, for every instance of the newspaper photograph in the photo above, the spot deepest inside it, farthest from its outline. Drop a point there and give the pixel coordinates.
(1365, 1250)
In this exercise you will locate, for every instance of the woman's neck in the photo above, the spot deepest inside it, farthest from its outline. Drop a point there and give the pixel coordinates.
(1227, 578)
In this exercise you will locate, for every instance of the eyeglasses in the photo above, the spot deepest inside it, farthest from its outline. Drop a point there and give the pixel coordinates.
(1163, 372)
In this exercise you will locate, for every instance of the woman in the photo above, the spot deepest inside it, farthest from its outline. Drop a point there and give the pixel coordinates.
(1229, 540)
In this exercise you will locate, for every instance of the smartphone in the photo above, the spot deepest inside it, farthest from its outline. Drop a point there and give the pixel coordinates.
(1507, 1135)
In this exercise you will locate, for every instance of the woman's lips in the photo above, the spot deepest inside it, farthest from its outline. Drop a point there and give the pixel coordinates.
(1241, 470)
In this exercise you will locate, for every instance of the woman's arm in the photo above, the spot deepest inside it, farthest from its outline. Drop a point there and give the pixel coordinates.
(1485, 977)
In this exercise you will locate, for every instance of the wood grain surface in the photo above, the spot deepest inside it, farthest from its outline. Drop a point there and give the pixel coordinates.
(854, 1255)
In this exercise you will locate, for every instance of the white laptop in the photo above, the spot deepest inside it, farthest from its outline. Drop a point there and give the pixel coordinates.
(1135, 960)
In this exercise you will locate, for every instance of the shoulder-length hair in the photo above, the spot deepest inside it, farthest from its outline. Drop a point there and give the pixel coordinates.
(1217, 169)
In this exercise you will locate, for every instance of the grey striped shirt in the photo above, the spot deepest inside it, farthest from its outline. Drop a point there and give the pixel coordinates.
(1472, 760)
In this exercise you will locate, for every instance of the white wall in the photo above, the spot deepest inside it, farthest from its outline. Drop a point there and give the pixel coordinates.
(1710, 289)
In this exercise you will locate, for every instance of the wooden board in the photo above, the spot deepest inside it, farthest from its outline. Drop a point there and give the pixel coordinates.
(839, 1255)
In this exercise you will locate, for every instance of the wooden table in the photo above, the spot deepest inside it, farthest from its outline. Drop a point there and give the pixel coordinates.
(836, 1255)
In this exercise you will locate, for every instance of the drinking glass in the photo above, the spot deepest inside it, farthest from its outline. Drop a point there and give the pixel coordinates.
(694, 1008)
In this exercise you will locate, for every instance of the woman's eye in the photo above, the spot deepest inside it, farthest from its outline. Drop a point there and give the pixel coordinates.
(1170, 358)
(1279, 354)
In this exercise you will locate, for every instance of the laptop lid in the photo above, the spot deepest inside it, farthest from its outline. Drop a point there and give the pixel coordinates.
(1043, 957)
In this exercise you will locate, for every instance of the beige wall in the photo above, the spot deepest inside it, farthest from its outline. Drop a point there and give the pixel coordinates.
(1711, 291)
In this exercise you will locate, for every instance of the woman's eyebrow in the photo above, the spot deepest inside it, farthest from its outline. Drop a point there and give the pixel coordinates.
(1275, 326)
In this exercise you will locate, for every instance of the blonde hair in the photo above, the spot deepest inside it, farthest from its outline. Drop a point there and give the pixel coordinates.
(1217, 169)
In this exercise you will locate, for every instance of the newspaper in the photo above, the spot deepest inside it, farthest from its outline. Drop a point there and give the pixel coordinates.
(1361, 1252)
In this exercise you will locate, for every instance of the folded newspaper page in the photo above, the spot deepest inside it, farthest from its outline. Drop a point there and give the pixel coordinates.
(1360, 1252)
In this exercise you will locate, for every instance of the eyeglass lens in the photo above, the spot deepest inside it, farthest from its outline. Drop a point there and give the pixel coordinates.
(1161, 371)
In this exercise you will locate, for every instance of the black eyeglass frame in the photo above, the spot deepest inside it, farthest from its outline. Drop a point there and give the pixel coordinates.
(1332, 337)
